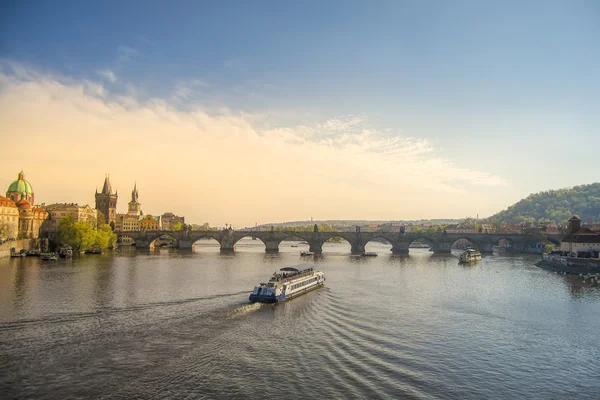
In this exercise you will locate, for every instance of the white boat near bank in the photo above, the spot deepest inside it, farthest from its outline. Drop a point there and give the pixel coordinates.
(288, 283)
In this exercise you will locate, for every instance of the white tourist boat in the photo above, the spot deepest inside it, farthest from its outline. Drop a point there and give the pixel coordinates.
(470, 255)
(289, 282)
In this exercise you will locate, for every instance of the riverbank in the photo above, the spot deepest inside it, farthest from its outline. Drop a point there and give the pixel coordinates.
(19, 245)
(569, 267)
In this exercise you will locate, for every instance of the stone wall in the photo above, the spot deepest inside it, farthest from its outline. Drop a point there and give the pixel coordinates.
(17, 244)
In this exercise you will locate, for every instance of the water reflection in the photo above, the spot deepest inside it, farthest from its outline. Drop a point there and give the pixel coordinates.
(134, 324)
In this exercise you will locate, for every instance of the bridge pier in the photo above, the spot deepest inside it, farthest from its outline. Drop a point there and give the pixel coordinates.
(442, 248)
(143, 244)
(486, 248)
(185, 244)
(400, 248)
(272, 246)
(357, 248)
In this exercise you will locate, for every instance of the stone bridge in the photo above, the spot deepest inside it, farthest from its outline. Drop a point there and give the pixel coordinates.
(439, 242)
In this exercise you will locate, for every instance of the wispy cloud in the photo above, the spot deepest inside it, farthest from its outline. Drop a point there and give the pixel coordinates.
(338, 168)
(235, 64)
(127, 51)
(108, 74)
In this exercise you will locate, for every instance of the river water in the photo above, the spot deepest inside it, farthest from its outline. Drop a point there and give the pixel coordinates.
(167, 324)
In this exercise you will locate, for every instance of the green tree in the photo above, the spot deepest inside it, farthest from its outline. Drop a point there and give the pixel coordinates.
(554, 206)
(177, 226)
(83, 236)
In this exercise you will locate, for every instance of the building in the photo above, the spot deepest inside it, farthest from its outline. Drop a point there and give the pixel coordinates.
(392, 227)
(370, 228)
(552, 229)
(19, 217)
(60, 210)
(31, 219)
(510, 229)
(169, 219)
(467, 226)
(487, 228)
(580, 239)
(20, 189)
(130, 221)
(150, 223)
(126, 222)
(106, 204)
(9, 219)
(134, 207)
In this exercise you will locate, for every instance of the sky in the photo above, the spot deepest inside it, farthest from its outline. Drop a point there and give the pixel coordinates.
(272, 111)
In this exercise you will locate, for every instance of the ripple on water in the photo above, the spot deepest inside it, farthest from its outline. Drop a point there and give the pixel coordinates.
(179, 326)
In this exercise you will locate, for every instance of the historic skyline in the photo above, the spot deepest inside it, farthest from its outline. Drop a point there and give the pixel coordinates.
(284, 112)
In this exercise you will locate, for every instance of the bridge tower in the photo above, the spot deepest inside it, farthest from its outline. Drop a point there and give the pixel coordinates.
(106, 203)
(134, 207)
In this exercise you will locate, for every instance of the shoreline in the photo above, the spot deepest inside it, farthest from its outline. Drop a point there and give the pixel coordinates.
(567, 269)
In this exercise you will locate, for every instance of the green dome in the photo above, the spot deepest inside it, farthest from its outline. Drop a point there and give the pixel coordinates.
(20, 185)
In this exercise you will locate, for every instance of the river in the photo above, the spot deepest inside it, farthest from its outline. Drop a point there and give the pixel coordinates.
(168, 324)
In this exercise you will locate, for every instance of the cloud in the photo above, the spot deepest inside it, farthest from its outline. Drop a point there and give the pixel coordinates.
(108, 74)
(224, 166)
(127, 51)
(235, 64)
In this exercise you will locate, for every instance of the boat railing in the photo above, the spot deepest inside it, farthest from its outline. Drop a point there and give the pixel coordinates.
(288, 278)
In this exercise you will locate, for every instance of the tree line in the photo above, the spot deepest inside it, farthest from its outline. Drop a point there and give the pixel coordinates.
(554, 206)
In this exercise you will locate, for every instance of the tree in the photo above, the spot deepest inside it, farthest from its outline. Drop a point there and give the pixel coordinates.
(177, 226)
(554, 206)
(82, 235)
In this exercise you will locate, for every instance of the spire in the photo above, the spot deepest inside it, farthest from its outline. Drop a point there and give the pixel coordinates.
(134, 194)
(106, 189)
(21, 175)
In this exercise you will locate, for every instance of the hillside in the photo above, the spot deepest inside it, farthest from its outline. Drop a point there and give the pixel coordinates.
(554, 206)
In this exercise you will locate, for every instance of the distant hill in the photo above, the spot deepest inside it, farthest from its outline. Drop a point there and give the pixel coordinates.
(347, 224)
(554, 206)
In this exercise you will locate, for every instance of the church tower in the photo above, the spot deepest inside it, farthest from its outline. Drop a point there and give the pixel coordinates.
(134, 205)
(106, 203)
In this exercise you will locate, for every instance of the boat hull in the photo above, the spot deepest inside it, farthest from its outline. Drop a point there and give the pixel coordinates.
(257, 298)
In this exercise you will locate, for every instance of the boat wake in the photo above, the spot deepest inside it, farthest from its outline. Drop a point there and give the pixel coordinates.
(106, 311)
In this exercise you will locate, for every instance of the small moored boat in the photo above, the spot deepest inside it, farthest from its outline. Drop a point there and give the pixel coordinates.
(65, 252)
(93, 251)
(470, 255)
(306, 253)
(15, 254)
(48, 257)
(288, 283)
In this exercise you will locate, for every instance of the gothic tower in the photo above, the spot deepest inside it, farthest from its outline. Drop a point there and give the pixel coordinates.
(106, 203)
(134, 205)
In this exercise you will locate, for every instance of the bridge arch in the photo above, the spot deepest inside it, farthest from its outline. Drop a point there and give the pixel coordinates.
(205, 242)
(473, 243)
(329, 243)
(294, 243)
(256, 239)
(504, 242)
(125, 240)
(381, 242)
(425, 239)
